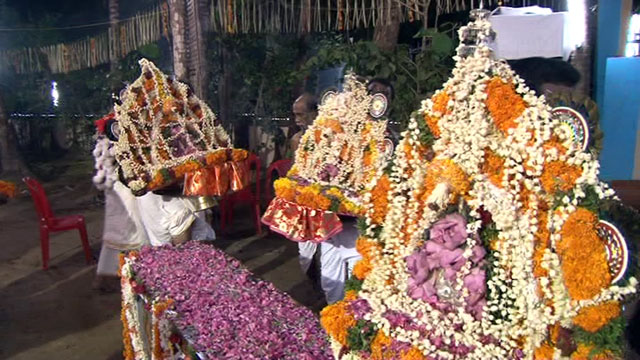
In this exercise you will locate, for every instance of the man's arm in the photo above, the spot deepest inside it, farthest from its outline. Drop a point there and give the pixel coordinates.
(182, 237)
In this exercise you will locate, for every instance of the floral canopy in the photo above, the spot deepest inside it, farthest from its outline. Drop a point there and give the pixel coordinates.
(338, 156)
(168, 135)
(489, 239)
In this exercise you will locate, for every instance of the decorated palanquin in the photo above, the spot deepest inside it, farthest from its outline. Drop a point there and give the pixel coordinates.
(339, 155)
(492, 236)
(168, 135)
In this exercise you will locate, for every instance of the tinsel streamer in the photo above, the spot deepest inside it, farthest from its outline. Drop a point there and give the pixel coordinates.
(230, 16)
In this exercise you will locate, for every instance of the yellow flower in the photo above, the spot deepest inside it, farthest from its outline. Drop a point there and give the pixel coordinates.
(285, 188)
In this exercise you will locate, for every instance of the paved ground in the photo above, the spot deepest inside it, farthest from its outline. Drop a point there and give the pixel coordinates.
(56, 314)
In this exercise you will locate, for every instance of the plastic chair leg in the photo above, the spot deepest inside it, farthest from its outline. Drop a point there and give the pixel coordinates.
(44, 245)
(257, 219)
(85, 243)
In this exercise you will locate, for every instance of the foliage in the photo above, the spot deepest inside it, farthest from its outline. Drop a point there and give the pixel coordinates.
(353, 283)
(608, 338)
(413, 77)
(361, 335)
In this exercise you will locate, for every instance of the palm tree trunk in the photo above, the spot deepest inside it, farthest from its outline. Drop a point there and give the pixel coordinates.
(114, 15)
(388, 27)
(177, 15)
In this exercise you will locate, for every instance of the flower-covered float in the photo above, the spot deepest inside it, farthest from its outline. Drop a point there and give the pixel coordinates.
(202, 303)
(491, 237)
(338, 156)
(168, 135)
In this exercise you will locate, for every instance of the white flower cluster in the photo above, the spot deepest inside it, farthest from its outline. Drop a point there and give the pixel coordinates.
(152, 118)
(344, 149)
(516, 314)
(105, 164)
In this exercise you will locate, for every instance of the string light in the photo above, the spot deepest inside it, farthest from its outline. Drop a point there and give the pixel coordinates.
(55, 95)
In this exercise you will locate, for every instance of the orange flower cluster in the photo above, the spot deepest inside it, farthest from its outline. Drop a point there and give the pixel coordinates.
(157, 181)
(380, 347)
(379, 199)
(332, 124)
(185, 168)
(350, 295)
(555, 143)
(367, 248)
(337, 320)
(8, 189)
(412, 354)
(310, 196)
(285, 189)
(440, 102)
(362, 269)
(595, 317)
(493, 166)
(217, 158)
(584, 353)
(158, 310)
(445, 170)
(559, 176)
(504, 104)
(544, 352)
(238, 155)
(127, 353)
(432, 123)
(584, 261)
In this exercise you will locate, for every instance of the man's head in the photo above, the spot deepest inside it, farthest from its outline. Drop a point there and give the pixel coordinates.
(381, 86)
(305, 110)
(546, 76)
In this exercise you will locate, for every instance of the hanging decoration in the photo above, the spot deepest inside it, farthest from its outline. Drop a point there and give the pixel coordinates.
(133, 33)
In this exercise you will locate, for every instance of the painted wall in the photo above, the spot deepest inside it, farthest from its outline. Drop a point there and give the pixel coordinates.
(608, 41)
(620, 117)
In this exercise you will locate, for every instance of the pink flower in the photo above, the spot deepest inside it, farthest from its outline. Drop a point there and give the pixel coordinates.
(451, 231)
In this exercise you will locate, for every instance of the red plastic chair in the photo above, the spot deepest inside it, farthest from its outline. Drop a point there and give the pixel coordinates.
(281, 167)
(50, 223)
(246, 196)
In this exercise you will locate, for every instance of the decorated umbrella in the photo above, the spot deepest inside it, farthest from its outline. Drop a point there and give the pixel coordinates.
(490, 238)
(167, 137)
(338, 156)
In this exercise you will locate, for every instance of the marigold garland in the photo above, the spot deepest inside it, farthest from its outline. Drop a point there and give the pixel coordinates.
(559, 176)
(379, 347)
(185, 168)
(504, 104)
(440, 102)
(432, 123)
(412, 354)
(350, 295)
(216, 158)
(584, 353)
(593, 318)
(8, 189)
(544, 352)
(379, 199)
(584, 261)
(127, 352)
(336, 320)
(447, 171)
(238, 155)
(493, 166)
(362, 269)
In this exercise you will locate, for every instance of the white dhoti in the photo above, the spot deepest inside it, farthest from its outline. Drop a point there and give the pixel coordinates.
(338, 256)
(306, 250)
(123, 229)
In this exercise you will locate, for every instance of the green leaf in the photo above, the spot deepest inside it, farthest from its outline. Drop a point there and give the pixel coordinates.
(441, 44)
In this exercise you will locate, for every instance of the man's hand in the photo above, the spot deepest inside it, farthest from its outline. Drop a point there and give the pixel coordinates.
(182, 238)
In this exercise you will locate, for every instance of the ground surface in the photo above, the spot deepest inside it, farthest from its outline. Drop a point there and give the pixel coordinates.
(56, 314)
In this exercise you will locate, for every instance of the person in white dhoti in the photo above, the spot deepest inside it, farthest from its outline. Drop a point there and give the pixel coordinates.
(338, 256)
(123, 228)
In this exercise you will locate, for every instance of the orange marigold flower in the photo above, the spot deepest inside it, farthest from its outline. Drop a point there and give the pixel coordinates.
(157, 181)
(432, 123)
(362, 269)
(504, 104)
(542, 237)
(583, 255)
(583, 352)
(187, 167)
(493, 166)
(334, 125)
(412, 354)
(380, 346)
(317, 135)
(217, 157)
(544, 352)
(8, 189)
(445, 170)
(350, 295)
(440, 102)
(555, 142)
(285, 189)
(592, 318)
(379, 199)
(337, 320)
(238, 155)
(559, 176)
(310, 196)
